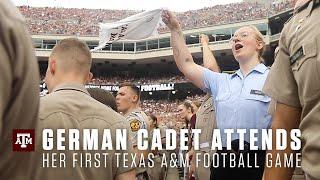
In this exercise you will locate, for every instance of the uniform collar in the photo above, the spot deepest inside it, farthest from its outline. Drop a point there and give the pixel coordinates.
(133, 111)
(206, 97)
(260, 68)
(138, 109)
(71, 86)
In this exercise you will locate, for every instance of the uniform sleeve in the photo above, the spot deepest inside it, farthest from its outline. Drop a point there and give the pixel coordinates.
(135, 123)
(280, 84)
(123, 168)
(272, 107)
(5, 82)
(211, 81)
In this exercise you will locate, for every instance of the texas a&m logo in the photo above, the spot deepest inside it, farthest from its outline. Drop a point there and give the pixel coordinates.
(23, 140)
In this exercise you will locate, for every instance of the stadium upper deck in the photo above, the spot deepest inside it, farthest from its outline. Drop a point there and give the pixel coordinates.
(84, 22)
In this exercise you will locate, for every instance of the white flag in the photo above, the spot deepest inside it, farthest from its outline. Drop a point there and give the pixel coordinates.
(138, 26)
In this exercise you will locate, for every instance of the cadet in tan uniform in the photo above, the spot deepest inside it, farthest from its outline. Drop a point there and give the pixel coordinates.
(69, 106)
(294, 82)
(206, 122)
(128, 99)
(205, 115)
(156, 172)
(170, 172)
(159, 172)
(19, 91)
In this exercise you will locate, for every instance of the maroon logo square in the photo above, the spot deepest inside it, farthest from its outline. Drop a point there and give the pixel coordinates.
(23, 140)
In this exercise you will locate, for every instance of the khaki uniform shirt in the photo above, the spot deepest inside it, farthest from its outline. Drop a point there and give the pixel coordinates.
(294, 79)
(157, 172)
(19, 91)
(70, 106)
(206, 122)
(137, 120)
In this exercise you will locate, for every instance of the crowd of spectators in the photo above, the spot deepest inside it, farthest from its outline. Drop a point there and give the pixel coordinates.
(139, 79)
(71, 21)
(86, 21)
(166, 111)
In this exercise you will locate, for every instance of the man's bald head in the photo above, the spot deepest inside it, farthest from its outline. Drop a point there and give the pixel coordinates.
(70, 62)
(72, 56)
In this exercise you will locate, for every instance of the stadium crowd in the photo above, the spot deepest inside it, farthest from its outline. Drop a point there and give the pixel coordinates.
(81, 22)
(116, 80)
(138, 79)
(166, 111)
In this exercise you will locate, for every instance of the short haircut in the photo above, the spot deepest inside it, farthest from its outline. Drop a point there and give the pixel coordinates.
(103, 96)
(133, 87)
(154, 119)
(72, 55)
(188, 104)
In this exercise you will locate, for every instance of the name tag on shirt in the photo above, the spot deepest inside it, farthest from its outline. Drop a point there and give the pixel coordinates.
(297, 55)
(257, 92)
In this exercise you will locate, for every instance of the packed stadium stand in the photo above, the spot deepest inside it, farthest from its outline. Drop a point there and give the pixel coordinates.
(49, 20)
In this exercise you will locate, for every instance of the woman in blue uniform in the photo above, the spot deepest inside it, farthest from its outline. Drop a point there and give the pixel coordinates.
(238, 99)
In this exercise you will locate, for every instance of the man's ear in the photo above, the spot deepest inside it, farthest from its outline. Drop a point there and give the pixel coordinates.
(89, 77)
(52, 66)
(135, 99)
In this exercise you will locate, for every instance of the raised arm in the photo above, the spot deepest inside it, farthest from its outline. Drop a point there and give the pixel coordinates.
(209, 61)
(182, 55)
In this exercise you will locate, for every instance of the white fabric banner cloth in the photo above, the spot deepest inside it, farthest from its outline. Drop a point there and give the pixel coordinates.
(138, 26)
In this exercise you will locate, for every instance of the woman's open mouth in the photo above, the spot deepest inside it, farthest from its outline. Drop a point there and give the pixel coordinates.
(238, 46)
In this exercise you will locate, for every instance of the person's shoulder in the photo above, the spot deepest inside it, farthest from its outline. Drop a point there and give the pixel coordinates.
(208, 72)
(51, 103)
(138, 119)
(286, 27)
(78, 110)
